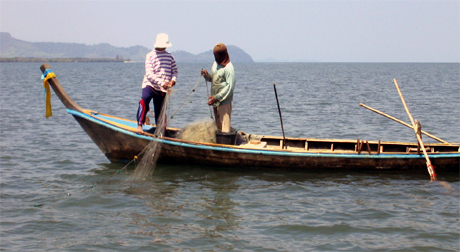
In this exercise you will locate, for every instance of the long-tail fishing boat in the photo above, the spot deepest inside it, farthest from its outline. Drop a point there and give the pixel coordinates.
(117, 139)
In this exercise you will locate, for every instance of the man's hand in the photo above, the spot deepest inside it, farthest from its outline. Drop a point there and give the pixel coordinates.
(204, 73)
(211, 100)
(170, 84)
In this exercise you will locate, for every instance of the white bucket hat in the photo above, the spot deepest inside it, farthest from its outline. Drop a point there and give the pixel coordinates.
(162, 41)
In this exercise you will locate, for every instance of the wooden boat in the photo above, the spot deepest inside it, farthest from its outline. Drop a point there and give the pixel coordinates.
(118, 141)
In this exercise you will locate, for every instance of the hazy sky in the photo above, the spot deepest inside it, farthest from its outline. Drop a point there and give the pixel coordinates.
(327, 31)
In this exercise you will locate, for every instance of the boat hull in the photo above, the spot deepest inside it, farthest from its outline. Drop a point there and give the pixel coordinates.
(120, 145)
(117, 139)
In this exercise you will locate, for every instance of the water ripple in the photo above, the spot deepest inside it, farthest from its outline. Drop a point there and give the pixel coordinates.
(59, 193)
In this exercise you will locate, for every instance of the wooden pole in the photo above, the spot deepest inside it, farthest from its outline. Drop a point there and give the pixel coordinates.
(401, 122)
(430, 167)
(281, 118)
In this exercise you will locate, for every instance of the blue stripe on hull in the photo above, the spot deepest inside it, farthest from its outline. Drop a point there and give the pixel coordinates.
(248, 151)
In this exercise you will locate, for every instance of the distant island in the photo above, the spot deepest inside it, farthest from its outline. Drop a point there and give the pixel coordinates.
(15, 50)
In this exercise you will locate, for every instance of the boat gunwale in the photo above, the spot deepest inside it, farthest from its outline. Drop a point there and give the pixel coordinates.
(247, 149)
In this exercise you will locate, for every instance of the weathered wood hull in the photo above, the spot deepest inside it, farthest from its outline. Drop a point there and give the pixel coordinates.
(121, 145)
(117, 140)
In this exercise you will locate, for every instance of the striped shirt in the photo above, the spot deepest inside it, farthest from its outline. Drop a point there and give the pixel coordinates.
(160, 68)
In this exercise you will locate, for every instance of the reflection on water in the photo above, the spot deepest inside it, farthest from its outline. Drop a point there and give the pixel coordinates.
(173, 200)
(185, 207)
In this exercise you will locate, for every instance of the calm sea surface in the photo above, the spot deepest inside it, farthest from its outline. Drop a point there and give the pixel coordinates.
(60, 193)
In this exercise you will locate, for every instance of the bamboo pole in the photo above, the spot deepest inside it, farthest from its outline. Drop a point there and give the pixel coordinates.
(402, 122)
(416, 128)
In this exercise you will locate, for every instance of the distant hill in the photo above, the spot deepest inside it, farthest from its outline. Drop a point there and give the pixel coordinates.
(280, 61)
(13, 48)
(236, 54)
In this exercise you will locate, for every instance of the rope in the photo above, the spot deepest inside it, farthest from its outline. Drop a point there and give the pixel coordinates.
(207, 90)
(193, 90)
(122, 169)
(118, 172)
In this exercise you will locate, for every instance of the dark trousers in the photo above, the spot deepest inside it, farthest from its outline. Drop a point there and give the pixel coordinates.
(149, 93)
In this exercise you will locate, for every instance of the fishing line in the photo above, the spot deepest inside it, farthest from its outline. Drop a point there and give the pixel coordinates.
(119, 171)
(150, 153)
(207, 90)
(200, 131)
(193, 90)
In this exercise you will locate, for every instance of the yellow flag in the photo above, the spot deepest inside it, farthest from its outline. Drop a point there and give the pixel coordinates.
(46, 85)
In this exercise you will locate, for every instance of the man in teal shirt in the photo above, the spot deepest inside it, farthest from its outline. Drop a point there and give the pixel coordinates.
(222, 78)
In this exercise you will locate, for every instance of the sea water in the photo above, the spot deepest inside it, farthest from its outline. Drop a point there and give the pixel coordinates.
(60, 193)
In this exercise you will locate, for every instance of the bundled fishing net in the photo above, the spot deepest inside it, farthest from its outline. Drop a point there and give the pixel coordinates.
(149, 156)
(200, 131)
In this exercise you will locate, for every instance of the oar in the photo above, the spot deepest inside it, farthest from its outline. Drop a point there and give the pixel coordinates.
(281, 118)
(401, 122)
(416, 128)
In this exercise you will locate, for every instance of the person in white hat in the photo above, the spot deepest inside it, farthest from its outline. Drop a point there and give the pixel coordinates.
(160, 75)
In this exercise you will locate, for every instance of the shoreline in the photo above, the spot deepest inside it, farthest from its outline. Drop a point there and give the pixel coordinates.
(46, 60)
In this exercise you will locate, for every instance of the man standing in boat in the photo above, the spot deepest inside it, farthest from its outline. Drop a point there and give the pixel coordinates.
(222, 78)
(160, 75)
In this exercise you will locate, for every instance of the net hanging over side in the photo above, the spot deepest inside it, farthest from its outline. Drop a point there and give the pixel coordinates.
(198, 131)
(149, 156)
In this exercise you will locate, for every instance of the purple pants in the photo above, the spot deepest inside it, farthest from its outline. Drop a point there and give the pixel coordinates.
(149, 93)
